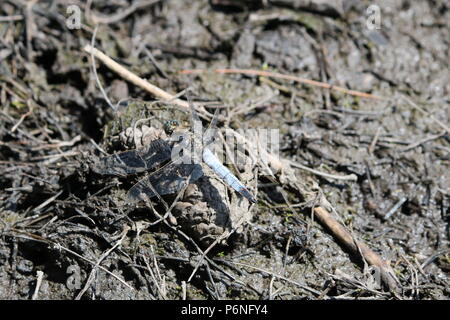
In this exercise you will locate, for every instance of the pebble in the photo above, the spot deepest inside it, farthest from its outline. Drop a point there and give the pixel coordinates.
(25, 266)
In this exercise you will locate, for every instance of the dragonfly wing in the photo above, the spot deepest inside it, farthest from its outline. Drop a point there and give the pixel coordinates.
(168, 181)
(134, 161)
(225, 174)
(208, 136)
(194, 116)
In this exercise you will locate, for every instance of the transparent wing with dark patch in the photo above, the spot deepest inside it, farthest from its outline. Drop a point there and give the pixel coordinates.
(167, 181)
(134, 161)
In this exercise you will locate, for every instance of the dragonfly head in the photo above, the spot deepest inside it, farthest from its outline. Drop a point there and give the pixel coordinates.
(170, 126)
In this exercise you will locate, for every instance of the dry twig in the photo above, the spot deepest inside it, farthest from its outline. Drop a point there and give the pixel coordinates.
(102, 257)
(261, 73)
(39, 275)
(126, 74)
(356, 246)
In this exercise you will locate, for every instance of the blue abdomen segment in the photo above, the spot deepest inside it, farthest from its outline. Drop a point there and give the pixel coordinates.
(225, 174)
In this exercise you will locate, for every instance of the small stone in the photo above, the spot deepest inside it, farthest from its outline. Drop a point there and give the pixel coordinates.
(25, 266)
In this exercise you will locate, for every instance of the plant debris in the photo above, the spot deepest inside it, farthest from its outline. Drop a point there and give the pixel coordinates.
(354, 204)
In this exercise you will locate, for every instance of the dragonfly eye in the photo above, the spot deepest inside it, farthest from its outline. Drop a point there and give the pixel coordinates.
(170, 126)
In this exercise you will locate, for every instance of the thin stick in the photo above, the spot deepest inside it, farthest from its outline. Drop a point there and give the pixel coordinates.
(30, 236)
(122, 14)
(356, 246)
(275, 162)
(94, 69)
(395, 208)
(54, 157)
(46, 202)
(427, 114)
(30, 27)
(127, 75)
(317, 293)
(21, 119)
(155, 281)
(288, 77)
(57, 145)
(11, 18)
(420, 142)
(224, 235)
(433, 257)
(350, 177)
(183, 290)
(155, 63)
(374, 141)
(102, 257)
(39, 275)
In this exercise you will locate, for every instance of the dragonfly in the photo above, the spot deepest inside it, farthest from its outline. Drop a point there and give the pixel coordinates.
(174, 172)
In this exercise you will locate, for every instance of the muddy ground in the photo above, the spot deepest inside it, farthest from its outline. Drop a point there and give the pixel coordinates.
(67, 232)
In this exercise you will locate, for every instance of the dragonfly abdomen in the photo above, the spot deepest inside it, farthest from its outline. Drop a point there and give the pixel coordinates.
(223, 172)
